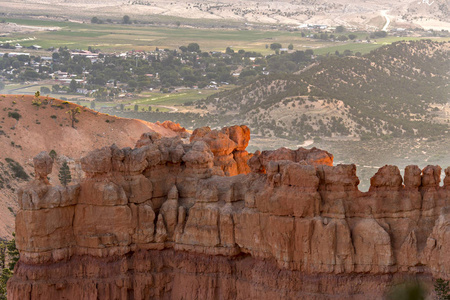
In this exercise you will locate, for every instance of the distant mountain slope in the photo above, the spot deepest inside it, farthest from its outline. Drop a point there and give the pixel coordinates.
(366, 14)
(27, 129)
(397, 90)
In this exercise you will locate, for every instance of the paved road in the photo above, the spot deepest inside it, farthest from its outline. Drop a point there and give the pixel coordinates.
(388, 21)
(21, 88)
(306, 68)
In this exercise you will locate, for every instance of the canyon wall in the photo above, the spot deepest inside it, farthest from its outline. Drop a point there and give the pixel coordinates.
(204, 219)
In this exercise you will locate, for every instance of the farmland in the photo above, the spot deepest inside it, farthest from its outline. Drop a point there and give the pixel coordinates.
(120, 37)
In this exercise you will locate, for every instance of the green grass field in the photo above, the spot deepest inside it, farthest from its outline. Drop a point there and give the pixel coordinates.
(178, 98)
(115, 37)
(355, 47)
(128, 105)
(156, 100)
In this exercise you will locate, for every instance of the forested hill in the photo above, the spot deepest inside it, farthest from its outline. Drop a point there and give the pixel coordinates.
(400, 89)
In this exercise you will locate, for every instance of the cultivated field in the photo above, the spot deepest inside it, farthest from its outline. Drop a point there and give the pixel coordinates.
(115, 37)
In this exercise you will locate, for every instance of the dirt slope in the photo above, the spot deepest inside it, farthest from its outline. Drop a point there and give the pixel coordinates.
(48, 127)
(367, 14)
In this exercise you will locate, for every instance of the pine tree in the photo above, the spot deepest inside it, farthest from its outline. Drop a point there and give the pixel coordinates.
(442, 289)
(2, 254)
(64, 174)
(13, 252)
(5, 274)
(8, 250)
(53, 154)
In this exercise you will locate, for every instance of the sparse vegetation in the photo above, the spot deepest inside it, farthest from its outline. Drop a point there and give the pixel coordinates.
(8, 252)
(64, 174)
(53, 154)
(96, 20)
(126, 19)
(36, 101)
(45, 90)
(73, 113)
(378, 97)
(17, 169)
(407, 291)
(14, 115)
(442, 289)
(340, 29)
(275, 46)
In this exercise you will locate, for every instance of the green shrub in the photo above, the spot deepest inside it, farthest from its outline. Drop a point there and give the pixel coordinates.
(442, 289)
(14, 115)
(53, 154)
(17, 169)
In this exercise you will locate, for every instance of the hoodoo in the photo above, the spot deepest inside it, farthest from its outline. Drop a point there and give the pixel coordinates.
(204, 219)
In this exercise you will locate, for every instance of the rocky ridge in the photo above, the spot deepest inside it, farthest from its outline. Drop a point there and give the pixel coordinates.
(172, 219)
(31, 124)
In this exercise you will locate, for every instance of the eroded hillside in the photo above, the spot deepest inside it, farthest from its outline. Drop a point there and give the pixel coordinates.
(29, 124)
(356, 14)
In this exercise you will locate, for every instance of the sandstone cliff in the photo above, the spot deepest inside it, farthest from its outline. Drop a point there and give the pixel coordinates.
(164, 221)
(29, 125)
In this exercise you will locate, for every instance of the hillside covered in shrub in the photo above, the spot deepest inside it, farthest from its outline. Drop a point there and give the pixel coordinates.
(400, 89)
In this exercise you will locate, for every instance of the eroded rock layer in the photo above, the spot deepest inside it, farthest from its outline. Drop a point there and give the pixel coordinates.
(204, 219)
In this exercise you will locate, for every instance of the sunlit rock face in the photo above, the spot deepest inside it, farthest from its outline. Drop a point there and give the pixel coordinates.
(203, 219)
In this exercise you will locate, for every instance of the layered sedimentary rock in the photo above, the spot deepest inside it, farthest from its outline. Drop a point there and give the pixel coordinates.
(228, 146)
(164, 221)
(175, 127)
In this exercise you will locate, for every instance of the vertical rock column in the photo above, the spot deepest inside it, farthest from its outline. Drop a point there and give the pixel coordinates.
(44, 230)
(103, 220)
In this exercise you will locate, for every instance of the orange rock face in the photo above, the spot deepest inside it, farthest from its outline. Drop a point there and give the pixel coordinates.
(228, 146)
(258, 163)
(161, 221)
(175, 127)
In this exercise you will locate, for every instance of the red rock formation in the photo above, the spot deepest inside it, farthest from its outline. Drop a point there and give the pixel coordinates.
(228, 147)
(175, 127)
(258, 163)
(157, 222)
